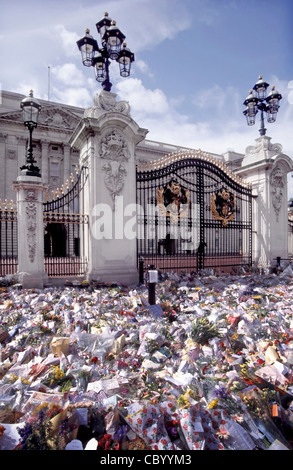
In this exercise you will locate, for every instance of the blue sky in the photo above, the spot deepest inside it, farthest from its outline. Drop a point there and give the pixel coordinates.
(195, 61)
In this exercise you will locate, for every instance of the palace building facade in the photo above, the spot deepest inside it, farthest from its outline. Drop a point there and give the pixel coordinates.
(224, 211)
(51, 149)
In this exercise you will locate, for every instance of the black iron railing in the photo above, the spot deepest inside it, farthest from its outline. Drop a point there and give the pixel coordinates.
(8, 238)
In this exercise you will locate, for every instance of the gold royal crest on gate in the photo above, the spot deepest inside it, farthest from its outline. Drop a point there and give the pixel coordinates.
(173, 200)
(223, 206)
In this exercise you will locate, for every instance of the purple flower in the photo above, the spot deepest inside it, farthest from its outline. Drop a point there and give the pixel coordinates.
(221, 392)
(121, 432)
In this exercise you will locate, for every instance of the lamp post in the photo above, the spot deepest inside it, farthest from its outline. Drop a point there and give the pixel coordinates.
(258, 100)
(30, 113)
(112, 47)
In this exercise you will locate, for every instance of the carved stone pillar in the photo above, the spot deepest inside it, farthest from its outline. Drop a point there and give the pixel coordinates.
(29, 199)
(3, 138)
(66, 163)
(45, 161)
(266, 168)
(107, 137)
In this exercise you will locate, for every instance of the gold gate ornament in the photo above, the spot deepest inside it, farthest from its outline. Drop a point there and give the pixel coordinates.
(223, 206)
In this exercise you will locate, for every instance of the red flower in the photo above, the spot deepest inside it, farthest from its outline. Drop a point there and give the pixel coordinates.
(2, 429)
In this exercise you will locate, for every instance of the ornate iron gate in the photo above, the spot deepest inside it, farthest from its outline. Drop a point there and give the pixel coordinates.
(8, 238)
(194, 214)
(64, 229)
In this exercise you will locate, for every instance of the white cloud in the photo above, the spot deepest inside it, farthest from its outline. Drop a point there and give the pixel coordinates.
(68, 40)
(221, 100)
(24, 88)
(142, 100)
(68, 74)
(153, 22)
(226, 129)
(74, 96)
(290, 94)
(143, 67)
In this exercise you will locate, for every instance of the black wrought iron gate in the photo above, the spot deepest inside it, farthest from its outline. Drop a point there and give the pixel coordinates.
(193, 214)
(64, 220)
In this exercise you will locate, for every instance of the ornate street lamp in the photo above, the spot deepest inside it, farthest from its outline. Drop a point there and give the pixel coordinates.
(258, 100)
(30, 114)
(113, 48)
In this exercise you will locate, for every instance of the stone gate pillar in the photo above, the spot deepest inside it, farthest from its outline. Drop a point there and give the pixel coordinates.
(29, 200)
(266, 168)
(106, 138)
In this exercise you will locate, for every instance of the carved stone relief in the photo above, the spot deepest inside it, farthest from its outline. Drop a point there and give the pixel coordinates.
(11, 154)
(115, 151)
(265, 145)
(106, 102)
(31, 214)
(277, 180)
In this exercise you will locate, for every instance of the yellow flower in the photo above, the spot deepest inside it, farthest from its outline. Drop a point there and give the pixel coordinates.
(25, 381)
(190, 393)
(213, 404)
(183, 402)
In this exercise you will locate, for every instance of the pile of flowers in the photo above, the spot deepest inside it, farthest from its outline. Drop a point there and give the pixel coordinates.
(213, 370)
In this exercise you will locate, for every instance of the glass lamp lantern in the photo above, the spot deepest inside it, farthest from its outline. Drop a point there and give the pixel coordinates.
(30, 110)
(261, 88)
(251, 108)
(103, 25)
(125, 59)
(273, 100)
(111, 49)
(87, 46)
(114, 39)
(30, 115)
(100, 67)
(258, 100)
